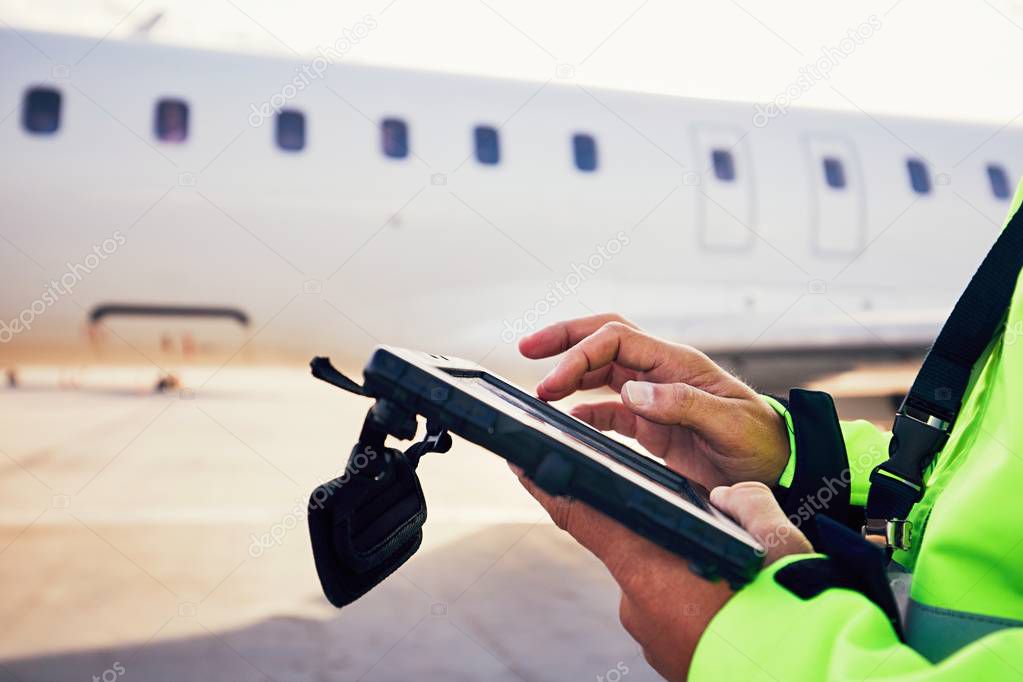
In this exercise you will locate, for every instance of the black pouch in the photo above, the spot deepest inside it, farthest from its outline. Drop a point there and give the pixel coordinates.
(366, 523)
(369, 521)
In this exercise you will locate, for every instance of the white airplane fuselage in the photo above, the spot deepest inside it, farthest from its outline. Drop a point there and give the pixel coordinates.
(335, 248)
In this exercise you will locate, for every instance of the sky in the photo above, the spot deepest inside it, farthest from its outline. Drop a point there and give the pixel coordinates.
(938, 58)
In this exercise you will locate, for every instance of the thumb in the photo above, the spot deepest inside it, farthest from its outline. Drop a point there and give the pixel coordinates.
(753, 506)
(680, 404)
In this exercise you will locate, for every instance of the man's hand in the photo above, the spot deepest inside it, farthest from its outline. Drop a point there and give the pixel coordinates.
(675, 400)
(665, 606)
(753, 506)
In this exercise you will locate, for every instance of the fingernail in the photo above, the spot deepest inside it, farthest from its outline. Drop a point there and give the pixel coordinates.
(549, 375)
(641, 393)
(717, 493)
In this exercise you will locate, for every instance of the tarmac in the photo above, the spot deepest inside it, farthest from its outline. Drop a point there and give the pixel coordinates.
(163, 537)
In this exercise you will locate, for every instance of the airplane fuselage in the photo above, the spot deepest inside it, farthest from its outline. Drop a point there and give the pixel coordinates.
(701, 220)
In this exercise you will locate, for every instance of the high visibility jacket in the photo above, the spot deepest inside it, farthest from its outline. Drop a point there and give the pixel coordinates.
(965, 612)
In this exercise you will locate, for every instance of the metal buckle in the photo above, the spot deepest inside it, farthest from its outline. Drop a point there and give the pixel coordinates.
(897, 483)
(924, 417)
(914, 441)
(897, 533)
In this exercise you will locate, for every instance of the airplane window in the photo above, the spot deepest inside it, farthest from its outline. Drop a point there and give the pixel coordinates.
(999, 181)
(291, 130)
(172, 120)
(834, 172)
(41, 113)
(394, 137)
(584, 148)
(488, 149)
(724, 164)
(918, 176)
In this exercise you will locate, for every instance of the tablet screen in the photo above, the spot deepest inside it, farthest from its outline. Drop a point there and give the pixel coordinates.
(558, 424)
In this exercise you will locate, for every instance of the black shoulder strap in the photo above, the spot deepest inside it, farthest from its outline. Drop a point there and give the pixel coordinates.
(929, 411)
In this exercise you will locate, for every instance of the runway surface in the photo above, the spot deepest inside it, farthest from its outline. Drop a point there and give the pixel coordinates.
(163, 537)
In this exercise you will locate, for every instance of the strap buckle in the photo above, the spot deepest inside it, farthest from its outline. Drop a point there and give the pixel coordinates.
(897, 484)
(897, 533)
(916, 437)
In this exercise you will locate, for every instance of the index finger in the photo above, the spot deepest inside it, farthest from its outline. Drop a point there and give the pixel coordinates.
(559, 337)
(613, 343)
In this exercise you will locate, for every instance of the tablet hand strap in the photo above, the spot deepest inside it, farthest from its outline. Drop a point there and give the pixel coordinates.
(369, 521)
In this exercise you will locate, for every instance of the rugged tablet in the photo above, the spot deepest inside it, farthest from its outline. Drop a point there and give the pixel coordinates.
(566, 456)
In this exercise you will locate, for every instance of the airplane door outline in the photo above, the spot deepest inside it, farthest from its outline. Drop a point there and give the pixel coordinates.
(726, 209)
(838, 216)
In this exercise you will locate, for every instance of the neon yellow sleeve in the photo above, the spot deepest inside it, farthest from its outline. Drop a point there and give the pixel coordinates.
(866, 446)
(765, 634)
(790, 469)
